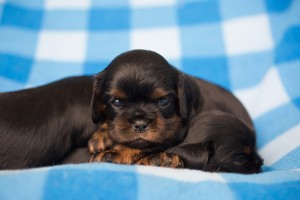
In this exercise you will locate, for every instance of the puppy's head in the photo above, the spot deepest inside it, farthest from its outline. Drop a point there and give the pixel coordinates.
(144, 100)
(230, 144)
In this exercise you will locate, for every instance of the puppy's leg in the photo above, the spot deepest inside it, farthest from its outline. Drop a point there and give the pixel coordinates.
(218, 141)
(100, 141)
(119, 154)
(194, 156)
(78, 155)
(163, 160)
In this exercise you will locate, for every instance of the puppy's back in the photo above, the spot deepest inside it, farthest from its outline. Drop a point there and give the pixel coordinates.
(218, 98)
(39, 125)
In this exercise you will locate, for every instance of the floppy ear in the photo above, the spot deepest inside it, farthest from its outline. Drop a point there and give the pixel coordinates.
(188, 95)
(98, 107)
(205, 151)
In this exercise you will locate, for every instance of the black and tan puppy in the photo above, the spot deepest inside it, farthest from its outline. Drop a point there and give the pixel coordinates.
(149, 113)
(40, 126)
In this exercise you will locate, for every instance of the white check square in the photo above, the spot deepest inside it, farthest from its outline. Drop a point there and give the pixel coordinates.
(151, 3)
(62, 46)
(165, 41)
(248, 34)
(54, 4)
(267, 95)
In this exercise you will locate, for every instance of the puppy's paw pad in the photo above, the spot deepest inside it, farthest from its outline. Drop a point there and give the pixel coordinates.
(106, 156)
(171, 160)
(155, 160)
(162, 160)
(95, 144)
(99, 142)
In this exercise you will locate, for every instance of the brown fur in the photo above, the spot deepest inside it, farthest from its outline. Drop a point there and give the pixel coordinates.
(153, 113)
(43, 126)
(163, 113)
(118, 154)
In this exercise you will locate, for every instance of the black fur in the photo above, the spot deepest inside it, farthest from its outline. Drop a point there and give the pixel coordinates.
(214, 133)
(40, 126)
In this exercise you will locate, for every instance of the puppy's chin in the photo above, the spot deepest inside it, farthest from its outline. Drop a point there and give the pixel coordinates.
(160, 134)
(143, 144)
(144, 141)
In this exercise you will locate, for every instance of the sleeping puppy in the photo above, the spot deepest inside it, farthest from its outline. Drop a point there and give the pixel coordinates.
(40, 126)
(149, 113)
(219, 142)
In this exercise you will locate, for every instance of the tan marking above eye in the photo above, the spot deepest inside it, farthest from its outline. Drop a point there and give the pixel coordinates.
(247, 150)
(117, 93)
(158, 93)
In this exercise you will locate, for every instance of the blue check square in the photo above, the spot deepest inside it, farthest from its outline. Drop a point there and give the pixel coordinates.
(47, 71)
(21, 17)
(92, 68)
(144, 17)
(206, 37)
(249, 69)
(289, 74)
(65, 19)
(109, 19)
(35, 4)
(233, 9)
(109, 3)
(18, 41)
(288, 110)
(291, 41)
(105, 45)
(15, 67)
(8, 85)
(213, 69)
(277, 5)
(198, 12)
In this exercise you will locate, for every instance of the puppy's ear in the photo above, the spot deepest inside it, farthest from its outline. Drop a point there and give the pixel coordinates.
(209, 151)
(98, 107)
(188, 95)
(205, 152)
(208, 158)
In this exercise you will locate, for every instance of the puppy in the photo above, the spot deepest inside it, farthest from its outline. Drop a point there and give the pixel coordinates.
(40, 126)
(145, 112)
(219, 142)
(149, 113)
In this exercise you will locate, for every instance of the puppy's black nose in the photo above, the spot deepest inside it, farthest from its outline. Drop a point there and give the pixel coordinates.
(140, 126)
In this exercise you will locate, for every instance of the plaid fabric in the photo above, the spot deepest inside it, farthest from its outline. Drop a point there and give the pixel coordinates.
(249, 47)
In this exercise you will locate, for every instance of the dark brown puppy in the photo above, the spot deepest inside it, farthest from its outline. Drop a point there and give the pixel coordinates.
(147, 113)
(219, 141)
(152, 114)
(40, 126)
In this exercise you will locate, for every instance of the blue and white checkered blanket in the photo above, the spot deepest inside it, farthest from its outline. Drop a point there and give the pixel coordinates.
(250, 47)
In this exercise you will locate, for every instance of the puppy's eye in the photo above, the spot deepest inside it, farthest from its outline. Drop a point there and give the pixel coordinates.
(240, 160)
(163, 102)
(117, 103)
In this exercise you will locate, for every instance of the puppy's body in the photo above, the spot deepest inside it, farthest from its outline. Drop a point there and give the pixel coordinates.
(166, 117)
(218, 141)
(217, 98)
(220, 136)
(39, 126)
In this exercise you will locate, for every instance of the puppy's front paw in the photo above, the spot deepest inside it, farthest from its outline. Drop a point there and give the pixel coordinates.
(106, 156)
(162, 160)
(119, 154)
(100, 141)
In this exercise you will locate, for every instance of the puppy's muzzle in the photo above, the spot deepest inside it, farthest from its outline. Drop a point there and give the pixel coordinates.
(140, 126)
